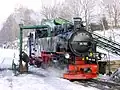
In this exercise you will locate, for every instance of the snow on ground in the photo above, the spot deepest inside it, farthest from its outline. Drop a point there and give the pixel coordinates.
(32, 82)
(115, 36)
(114, 33)
(37, 79)
(7, 56)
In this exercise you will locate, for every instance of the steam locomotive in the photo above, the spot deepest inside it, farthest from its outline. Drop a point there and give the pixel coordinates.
(65, 42)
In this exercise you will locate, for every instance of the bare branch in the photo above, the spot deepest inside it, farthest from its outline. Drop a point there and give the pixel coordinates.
(113, 11)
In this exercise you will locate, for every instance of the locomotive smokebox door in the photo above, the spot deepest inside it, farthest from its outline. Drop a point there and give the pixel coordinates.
(102, 67)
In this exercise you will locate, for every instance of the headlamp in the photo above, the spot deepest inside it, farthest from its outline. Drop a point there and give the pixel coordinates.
(67, 56)
(102, 55)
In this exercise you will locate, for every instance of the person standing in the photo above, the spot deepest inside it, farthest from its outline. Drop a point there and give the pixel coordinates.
(25, 58)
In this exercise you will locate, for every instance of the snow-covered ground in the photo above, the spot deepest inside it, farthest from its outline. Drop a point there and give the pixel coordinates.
(37, 79)
(7, 56)
(115, 36)
(38, 82)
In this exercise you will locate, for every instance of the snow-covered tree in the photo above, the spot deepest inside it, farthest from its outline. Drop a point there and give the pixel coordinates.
(82, 8)
(56, 11)
(112, 8)
(49, 12)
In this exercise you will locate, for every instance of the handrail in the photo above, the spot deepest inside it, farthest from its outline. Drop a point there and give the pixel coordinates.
(107, 46)
(108, 50)
(105, 39)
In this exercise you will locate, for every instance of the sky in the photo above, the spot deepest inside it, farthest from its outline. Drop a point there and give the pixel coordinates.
(7, 6)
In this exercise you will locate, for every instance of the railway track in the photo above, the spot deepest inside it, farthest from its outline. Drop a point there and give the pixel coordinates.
(101, 85)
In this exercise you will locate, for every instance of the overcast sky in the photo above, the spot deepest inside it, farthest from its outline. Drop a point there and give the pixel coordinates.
(7, 6)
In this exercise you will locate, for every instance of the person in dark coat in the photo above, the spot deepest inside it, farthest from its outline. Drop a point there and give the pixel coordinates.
(25, 58)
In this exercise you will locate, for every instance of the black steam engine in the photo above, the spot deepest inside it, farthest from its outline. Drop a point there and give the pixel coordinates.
(71, 42)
